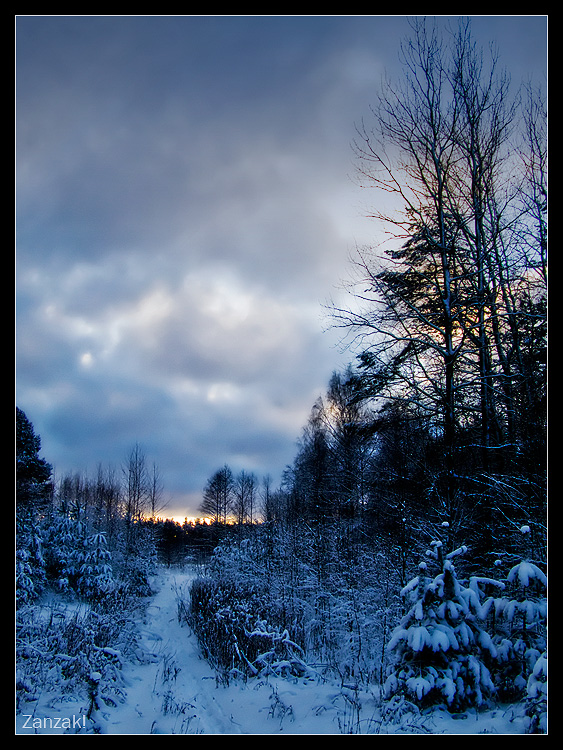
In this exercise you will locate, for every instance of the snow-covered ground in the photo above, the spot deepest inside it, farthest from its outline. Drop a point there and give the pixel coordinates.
(175, 691)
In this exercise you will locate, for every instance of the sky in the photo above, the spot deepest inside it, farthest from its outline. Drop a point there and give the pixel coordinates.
(186, 208)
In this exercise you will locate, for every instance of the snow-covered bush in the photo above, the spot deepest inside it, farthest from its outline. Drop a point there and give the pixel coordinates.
(277, 653)
(58, 648)
(441, 647)
(228, 619)
(339, 618)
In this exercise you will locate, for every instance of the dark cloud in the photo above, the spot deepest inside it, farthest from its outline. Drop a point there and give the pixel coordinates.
(184, 209)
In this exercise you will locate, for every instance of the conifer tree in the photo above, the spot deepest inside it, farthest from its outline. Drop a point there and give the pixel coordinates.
(33, 492)
(33, 473)
(96, 574)
(536, 698)
(441, 646)
(64, 540)
(521, 622)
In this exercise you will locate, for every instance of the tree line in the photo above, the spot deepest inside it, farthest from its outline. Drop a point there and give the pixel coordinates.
(85, 536)
(444, 412)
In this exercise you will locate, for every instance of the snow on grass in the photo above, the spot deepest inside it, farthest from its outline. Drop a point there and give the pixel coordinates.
(173, 690)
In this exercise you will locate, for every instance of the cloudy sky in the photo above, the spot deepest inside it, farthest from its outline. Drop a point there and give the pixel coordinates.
(186, 206)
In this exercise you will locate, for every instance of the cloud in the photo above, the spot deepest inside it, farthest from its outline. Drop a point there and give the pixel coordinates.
(184, 210)
(208, 368)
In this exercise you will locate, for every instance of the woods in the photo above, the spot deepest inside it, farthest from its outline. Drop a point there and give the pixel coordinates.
(451, 318)
(436, 439)
(406, 545)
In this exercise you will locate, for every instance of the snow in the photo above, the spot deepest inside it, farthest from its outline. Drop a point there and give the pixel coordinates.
(526, 572)
(175, 691)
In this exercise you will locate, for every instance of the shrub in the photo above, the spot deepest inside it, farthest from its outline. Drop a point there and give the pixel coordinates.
(230, 621)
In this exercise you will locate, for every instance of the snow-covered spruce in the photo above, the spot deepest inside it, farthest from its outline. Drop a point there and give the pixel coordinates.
(441, 647)
(521, 637)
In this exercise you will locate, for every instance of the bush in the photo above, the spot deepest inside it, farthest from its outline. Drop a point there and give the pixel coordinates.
(231, 625)
(57, 650)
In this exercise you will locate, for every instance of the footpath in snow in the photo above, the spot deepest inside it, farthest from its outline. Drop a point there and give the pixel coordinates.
(178, 693)
(175, 691)
(175, 694)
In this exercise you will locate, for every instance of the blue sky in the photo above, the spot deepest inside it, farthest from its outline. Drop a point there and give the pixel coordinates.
(186, 206)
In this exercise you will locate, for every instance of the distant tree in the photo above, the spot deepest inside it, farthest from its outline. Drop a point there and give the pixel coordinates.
(245, 497)
(218, 496)
(349, 428)
(328, 478)
(135, 494)
(139, 549)
(107, 494)
(171, 542)
(155, 492)
(310, 475)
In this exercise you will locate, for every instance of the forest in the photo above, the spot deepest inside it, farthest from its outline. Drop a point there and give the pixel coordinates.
(406, 546)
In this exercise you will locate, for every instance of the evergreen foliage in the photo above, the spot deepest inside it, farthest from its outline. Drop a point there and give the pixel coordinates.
(33, 491)
(33, 473)
(441, 647)
(521, 623)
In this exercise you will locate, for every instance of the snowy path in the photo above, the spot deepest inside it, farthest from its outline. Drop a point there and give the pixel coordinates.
(176, 693)
(174, 690)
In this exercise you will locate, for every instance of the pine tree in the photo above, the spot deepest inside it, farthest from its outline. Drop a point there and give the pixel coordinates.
(30, 562)
(95, 573)
(441, 646)
(64, 540)
(33, 474)
(536, 698)
(33, 492)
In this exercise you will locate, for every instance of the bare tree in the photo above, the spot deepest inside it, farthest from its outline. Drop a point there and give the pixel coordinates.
(441, 314)
(107, 496)
(218, 496)
(410, 296)
(135, 493)
(155, 492)
(244, 497)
